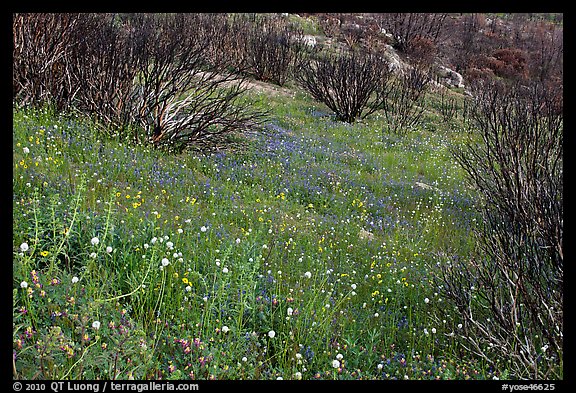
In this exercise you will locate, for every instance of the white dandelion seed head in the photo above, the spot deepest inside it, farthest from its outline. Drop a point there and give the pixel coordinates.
(24, 284)
(108, 249)
(95, 241)
(290, 311)
(93, 255)
(75, 280)
(426, 300)
(188, 288)
(96, 325)
(308, 275)
(26, 150)
(225, 329)
(203, 228)
(165, 262)
(154, 240)
(339, 356)
(225, 270)
(353, 286)
(335, 363)
(24, 247)
(170, 245)
(271, 334)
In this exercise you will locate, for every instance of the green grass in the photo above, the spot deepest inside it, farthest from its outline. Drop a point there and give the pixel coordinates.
(311, 244)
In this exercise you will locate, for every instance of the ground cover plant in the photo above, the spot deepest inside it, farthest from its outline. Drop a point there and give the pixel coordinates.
(310, 248)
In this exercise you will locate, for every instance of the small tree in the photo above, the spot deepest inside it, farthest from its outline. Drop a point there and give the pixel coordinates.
(510, 295)
(352, 85)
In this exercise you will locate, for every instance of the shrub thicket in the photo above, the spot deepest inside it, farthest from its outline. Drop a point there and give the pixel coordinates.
(511, 294)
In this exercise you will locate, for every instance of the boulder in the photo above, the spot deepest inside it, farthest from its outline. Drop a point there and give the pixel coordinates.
(365, 235)
(450, 77)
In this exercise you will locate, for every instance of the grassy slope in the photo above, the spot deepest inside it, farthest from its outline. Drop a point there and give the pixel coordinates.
(316, 230)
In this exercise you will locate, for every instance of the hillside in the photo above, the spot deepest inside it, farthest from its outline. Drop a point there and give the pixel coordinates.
(307, 248)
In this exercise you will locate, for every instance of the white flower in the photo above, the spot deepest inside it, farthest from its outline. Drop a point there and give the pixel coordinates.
(170, 245)
(93, 255)
(180, 230)
(108, 249)
(225, 270)
(290, 310)
(297, 375)
(75, 280)
(26, 150)
(96, 325)
(353, 286)
(24, 284)
(165, 262)
(426, 300)
(335, 363)
(95, 241)
(271, 334)
(188, 288)
(279, 379)
(237, 240)
(146, 245)
(244, 359)
(459, 326)
(203, 228)
(379, 366)
(426, 331)
(433, 330)
(339, 356)
(24, 247)
(307, 274)
(225, 329)
(153, 240)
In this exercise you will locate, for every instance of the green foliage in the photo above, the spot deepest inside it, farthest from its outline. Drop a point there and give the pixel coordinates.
(313, 244)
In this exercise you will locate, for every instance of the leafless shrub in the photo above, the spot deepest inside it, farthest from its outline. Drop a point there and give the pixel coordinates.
(510, 295)
(351, 84)
(272, 47)
(448, 106)
(158, 77)
(330, 24)
(405, 27)
(404, 103)
(41, 43)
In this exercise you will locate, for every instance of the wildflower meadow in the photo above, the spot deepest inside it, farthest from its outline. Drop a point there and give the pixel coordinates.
(306, 248)
(307, 254)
